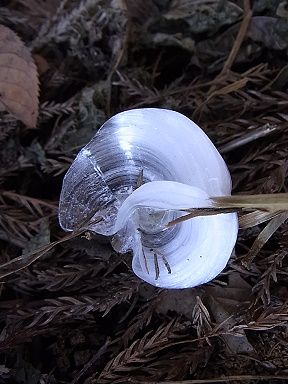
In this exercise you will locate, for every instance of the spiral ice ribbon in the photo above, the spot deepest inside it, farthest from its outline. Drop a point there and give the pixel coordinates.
(179, 168)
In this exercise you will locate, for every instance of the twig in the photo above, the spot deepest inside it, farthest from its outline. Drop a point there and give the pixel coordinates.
(117, 61)
(91, 363)
(263, 131)
(15, 265)
(200, 212)
(239, 39)
(234, 51)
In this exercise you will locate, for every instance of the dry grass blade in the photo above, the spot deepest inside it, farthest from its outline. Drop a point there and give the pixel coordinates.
(268, 202)
(18, 78)
(264, 236)
(255, 218)
(199, 212)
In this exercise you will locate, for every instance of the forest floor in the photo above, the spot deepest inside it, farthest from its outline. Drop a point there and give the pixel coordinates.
(73, 311)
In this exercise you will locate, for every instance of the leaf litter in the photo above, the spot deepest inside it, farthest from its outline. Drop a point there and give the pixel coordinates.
(71, 309)
(18, 79)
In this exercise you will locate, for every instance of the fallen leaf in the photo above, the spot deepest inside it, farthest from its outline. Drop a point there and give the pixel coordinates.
(181, 301)
(224, 303)
(19, 86)
(41, 63)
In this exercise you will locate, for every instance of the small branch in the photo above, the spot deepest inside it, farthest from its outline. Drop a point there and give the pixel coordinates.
(239, 39)
(249, 137)
(15, 265)
(199, 212)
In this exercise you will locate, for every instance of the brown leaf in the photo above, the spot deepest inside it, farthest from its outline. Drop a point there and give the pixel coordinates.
(19, 86)
(181, 301)
(224, 304)
(41, 63)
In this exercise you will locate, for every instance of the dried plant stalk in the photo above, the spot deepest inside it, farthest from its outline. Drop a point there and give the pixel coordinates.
(266, 202)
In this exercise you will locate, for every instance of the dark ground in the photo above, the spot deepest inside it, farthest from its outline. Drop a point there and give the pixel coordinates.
(75, 313)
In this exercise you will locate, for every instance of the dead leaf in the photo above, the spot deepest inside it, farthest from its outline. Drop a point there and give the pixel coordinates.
(41, 63)
(224, 303)
(181, 301)
(19, 87)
